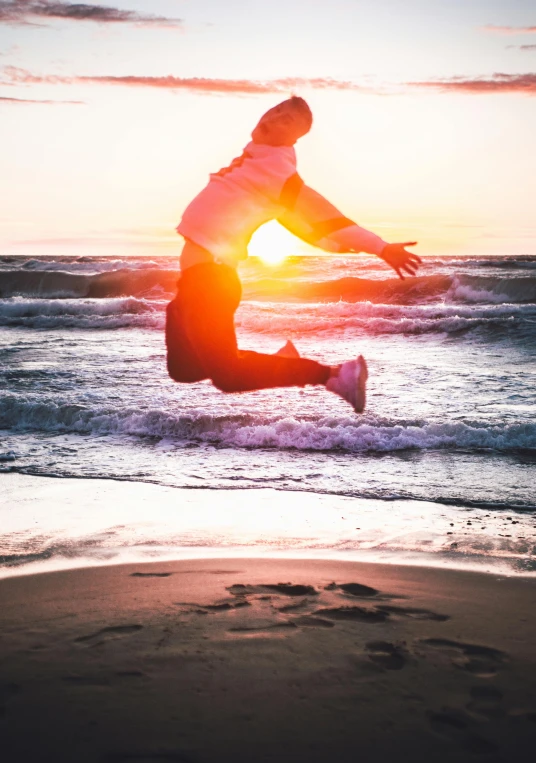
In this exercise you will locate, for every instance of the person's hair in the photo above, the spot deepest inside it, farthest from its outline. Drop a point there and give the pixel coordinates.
(302, 107)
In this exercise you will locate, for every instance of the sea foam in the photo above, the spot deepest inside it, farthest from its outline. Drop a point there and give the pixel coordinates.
(368, 433)
(296, 319)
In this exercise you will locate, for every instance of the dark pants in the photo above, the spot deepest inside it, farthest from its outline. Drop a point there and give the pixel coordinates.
(201, 340)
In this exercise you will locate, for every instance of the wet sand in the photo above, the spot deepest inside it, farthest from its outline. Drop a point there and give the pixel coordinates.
(265, 660)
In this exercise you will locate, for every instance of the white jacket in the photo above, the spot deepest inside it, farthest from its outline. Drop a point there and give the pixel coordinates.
(261, 185)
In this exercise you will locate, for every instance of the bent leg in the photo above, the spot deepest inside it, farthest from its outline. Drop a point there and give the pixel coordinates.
(183, 363)
(210, 295)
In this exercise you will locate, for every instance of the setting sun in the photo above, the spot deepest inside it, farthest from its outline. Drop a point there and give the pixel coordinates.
(273, 244)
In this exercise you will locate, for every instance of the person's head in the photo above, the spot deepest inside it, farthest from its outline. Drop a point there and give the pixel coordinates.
(284, 124)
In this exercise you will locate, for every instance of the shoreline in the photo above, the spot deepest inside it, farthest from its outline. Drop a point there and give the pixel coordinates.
(243, 659)
(416, 561)
(54, 523)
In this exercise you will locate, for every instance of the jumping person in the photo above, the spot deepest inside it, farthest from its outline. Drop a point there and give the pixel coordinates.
(260, 185)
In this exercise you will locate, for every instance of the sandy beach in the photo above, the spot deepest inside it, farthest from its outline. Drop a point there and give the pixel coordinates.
(263, 659)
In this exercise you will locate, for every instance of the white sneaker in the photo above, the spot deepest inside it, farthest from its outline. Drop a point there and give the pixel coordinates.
(288, 351)
(351, 382)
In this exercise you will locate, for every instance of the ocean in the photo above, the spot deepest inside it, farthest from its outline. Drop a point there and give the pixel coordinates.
(440, 469)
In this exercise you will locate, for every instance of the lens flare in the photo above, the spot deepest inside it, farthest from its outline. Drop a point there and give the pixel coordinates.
(272, 244)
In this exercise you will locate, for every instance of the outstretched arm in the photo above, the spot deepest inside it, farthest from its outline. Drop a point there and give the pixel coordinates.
(315, 220)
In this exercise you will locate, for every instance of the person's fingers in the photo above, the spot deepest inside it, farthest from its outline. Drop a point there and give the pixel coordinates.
(414, 264)
(401, 260)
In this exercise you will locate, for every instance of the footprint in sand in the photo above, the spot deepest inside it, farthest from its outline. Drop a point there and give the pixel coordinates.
(481, 661)
(224, 605)
(151, 574)
(455, 725)
(284, 589)
(294, 606)
(356, 614)
(353, 589)
(361, 591)
(387, 655)
(108, 634)
(309, 621)
(415, 613)
(378, 614)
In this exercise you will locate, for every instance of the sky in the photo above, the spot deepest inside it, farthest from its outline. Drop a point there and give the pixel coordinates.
(112, 117)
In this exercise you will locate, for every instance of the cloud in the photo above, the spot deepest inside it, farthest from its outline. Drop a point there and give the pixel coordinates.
(509, 29)
(18, 76)
(30, 12)
(527, 47)
(4, 99)
(497, 83)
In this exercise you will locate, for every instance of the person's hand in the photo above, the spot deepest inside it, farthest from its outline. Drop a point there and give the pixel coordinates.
(399, 259)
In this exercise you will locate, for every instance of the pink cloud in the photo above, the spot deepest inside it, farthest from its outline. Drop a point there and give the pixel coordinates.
(30, 12)
(509, 29)
(198, 84)
(4, 99)
(497, 83)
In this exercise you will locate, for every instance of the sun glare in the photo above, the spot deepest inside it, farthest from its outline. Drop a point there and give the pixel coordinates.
(272, 244)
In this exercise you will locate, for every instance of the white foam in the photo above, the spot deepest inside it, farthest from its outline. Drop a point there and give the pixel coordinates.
(370, 318)
(479, 289)
(266, 318)
(91, 266)
(119, 312)
(348, 434)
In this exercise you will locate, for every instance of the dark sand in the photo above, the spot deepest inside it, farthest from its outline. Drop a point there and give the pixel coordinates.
(267, 660)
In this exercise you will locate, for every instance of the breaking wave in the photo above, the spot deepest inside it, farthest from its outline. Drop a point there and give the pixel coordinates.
(129, 312)
(145, 281)
(475, 289)
(58, 284)
(83, 264)
(369, 433)
(369, 318)
(296, 319)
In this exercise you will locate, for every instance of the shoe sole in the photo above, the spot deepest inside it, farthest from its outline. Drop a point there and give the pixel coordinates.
(361, 385)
